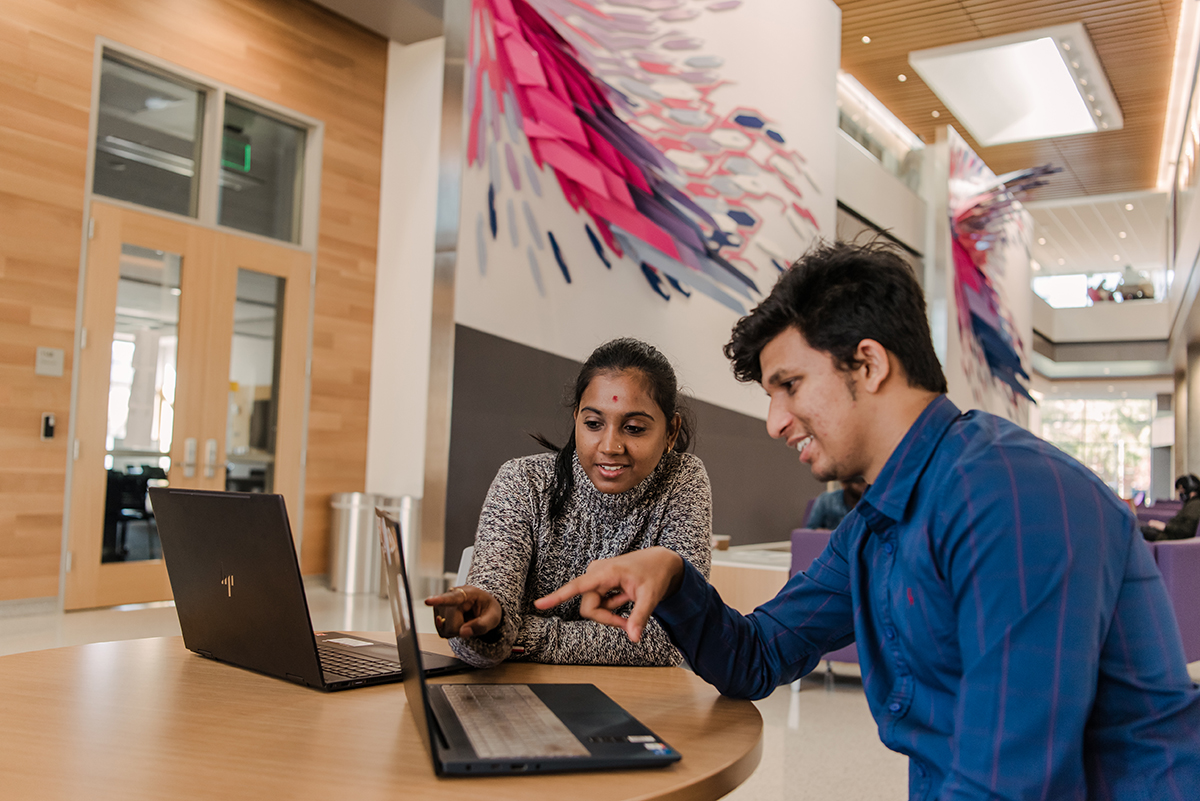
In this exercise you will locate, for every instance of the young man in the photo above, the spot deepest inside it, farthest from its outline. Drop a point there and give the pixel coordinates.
(832, 506)
(1015, 637)
(1183, 525)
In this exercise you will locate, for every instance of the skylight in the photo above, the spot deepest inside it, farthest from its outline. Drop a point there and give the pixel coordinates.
(1035, 85)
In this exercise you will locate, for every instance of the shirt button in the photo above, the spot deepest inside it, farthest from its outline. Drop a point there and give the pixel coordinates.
(888, 547)
(894, 706)
(890, 633)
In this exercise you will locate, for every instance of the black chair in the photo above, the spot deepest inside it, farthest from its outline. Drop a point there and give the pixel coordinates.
(125, 501)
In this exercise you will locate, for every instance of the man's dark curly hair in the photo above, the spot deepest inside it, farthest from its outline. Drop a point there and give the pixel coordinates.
(837, 295)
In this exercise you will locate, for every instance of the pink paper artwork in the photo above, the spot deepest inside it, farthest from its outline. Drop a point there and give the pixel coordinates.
(615, 99)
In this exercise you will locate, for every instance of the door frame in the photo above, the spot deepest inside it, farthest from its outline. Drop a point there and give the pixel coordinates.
(207, 218)
(291, 453)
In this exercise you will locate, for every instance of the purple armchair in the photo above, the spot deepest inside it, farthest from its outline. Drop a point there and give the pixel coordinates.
(1179, 563)
(807, 544)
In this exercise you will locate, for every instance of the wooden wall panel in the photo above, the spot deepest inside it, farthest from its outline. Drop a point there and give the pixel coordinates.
(289, 52)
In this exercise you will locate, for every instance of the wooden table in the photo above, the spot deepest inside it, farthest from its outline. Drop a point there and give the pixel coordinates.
(148, 719)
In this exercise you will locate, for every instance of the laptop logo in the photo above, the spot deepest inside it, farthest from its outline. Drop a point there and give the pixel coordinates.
(227, 582)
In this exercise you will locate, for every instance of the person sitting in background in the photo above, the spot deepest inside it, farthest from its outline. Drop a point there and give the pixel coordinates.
(832, 506)
(622, 482)
(1183, 525)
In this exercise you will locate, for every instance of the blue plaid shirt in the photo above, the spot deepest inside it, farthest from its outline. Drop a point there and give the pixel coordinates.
(1014, 634)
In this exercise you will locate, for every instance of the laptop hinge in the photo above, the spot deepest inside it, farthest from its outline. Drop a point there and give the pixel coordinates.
(296, 679)
(205, 654)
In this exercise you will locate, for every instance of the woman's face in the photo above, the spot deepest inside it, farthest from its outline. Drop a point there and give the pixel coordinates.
(620, 432)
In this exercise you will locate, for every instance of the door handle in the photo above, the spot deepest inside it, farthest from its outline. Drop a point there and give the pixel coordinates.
(210, 458)
(189, 457)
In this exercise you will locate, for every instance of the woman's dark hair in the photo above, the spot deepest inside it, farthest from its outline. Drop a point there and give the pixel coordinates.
(837, 295)
(617, 356)
(1188, 483)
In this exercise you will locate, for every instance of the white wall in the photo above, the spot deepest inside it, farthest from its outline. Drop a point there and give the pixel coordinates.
(874, 193)
(1105, 322)
(787, 69)
(404, 275)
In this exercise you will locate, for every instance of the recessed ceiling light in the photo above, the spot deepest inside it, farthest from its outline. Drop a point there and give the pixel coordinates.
(1041, 240)
(1104, 126)
(936, 113)
(1116, 257)
(1128, 207)
(866, 40)
(1062, 261)
(902, 77)
(1033, 89)
(1121, 234)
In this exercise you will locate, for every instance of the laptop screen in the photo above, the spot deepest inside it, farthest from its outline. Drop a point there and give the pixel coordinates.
(406, 635)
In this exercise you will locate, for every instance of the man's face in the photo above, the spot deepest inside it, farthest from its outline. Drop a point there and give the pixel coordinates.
(814, 407)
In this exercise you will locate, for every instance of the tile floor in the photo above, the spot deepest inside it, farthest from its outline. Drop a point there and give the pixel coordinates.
(818, 743)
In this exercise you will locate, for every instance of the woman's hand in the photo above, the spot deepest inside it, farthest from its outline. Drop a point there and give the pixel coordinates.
(464, 612)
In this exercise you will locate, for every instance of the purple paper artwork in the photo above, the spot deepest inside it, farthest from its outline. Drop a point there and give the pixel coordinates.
(984, 219)
(619, 105)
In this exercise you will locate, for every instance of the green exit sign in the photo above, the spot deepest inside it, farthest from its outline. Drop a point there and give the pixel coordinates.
(235, 153)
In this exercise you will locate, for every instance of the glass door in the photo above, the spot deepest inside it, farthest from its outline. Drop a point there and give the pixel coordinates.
(191, 375)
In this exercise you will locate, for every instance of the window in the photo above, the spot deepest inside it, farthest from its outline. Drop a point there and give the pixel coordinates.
(148, 138)
(157, 146)
(262, 162)
(1110, 437)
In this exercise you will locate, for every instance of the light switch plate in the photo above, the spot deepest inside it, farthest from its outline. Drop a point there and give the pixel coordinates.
(49, 362)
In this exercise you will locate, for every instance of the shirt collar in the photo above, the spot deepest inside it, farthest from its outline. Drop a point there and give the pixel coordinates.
(889, 496)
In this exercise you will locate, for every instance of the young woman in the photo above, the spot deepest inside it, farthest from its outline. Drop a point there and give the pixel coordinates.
(622, 482)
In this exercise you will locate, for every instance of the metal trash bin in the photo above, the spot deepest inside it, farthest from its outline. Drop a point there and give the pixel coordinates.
(355, 561)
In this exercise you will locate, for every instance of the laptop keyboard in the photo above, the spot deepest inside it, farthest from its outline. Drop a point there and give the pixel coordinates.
(354, 666)
(509, 720)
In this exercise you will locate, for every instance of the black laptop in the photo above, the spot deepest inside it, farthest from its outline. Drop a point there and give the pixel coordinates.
(240, 597)
(489, 729)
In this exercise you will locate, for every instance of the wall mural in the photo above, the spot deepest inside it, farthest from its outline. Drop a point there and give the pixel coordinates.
(987, 224)
(623, 107)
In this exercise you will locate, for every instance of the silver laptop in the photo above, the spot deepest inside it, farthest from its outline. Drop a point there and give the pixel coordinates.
(240, 598)
(489, 729)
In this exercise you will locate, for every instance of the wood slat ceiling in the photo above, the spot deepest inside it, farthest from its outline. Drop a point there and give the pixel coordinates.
(1134, 39)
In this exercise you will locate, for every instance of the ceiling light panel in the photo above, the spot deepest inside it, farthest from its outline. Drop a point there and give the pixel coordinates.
(1019, 87)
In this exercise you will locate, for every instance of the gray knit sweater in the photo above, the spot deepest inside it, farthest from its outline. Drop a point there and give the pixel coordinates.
(520, 556)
